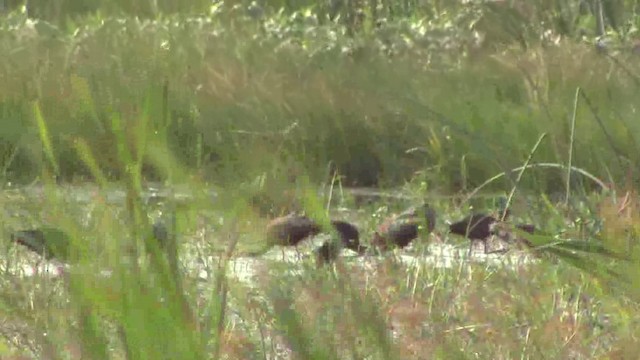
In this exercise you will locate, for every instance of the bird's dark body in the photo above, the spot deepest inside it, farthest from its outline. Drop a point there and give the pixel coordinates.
(401, 230)
(54, 243)
(161, 233)
(397, 233)
(290, 230)
(474, 227)
(349, 235)
(349, 238)
(327, 252)
(48, 242)
(481, 227)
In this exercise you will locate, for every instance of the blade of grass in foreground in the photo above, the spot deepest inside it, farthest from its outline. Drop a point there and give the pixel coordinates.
(290, 322)
(45, 137)
(586, 264)
(591, 247)
(372, 324)
(214, 324)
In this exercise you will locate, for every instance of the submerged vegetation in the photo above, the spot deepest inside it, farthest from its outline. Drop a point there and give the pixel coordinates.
(253, 107)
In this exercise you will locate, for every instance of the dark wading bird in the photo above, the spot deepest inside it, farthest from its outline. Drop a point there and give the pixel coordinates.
(292, 229)
(402, 229)
(53, 243)
(349, 238)
(49, 242)
(480, 227)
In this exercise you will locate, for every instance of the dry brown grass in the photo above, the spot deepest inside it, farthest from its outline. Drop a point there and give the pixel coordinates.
(237, 345)
(621, 218)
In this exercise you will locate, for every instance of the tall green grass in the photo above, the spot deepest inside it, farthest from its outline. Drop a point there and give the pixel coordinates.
(311, 99)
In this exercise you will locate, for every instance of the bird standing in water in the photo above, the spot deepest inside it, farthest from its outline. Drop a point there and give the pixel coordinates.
(402, 229)
(290, 230)
(480, 226)
(55, 244)
(474, 227)
(349, 238)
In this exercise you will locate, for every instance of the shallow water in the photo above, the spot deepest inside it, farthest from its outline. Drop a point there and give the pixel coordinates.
(244, 269)
(155, 192)
(247, 269)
